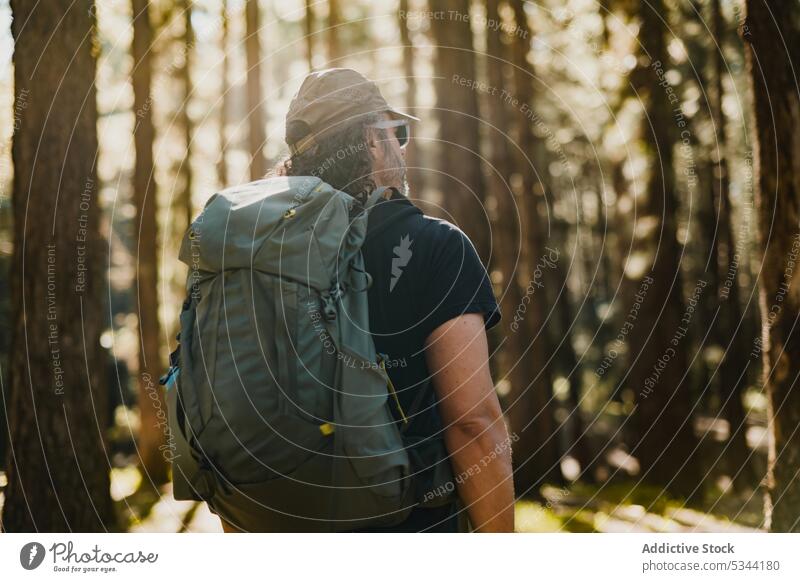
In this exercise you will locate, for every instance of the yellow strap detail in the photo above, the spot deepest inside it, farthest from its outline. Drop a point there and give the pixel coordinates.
(393, 392)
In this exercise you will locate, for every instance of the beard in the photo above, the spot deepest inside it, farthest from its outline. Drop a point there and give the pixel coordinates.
(396, 173)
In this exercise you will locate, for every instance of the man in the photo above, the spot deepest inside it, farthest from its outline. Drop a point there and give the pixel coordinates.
(431, 301)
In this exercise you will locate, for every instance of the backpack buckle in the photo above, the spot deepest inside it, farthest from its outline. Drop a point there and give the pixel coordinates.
(329, 301)
(329, 311)
(203, 484)
(207, 480)
(337, 291)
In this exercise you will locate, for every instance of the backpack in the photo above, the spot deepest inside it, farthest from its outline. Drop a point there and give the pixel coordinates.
(279, 405)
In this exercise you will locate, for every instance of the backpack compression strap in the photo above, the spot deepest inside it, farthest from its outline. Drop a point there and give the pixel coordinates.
(192, 478)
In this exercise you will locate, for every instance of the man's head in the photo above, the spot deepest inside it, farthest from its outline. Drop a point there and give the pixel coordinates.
(341, 129)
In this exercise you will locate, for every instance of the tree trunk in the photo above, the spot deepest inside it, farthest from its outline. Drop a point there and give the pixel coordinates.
(334, 21)
(772, 35)
(530, 406)
(733, 379)
(255, 112)
(507, 223)
(666, 446)
(185, 74)
(151, 397)
(58, 467)
(562, 309)
(309, 31)
(222, 162)
(461, 181)
(607, 273)
(415, 176)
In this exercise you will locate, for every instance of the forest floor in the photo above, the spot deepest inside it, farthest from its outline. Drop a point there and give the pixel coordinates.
(573, 512)
(576, 508)
(635, 508)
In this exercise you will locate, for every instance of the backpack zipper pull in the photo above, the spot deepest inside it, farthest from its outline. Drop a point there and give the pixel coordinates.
(330, 299)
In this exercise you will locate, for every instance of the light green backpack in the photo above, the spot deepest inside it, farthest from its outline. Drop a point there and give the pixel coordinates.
(278, 401)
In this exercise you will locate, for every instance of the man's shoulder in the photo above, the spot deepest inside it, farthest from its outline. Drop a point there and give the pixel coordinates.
(403, 217)
(437, 235)
(440, 228)
(444, 236)
(423, 223)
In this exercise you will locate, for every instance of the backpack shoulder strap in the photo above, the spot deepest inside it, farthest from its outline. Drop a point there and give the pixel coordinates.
(382, 192)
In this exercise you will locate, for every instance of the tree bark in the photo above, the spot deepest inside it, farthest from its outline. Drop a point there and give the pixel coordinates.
(222, 162)
(530, 405)
(185, 74)
(574, 428)
(151, 397)
(507, 223)
(332, 33)
(58, 467)
(731, 329)
(666, 446)
(309, 32)
(257, 133)
(461, 181)
(772, 35)
(415, 176)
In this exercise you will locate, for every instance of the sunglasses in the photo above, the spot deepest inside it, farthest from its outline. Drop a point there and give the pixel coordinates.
(402, 129)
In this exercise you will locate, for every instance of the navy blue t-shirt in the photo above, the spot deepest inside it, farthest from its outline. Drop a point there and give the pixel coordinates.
(425, 272)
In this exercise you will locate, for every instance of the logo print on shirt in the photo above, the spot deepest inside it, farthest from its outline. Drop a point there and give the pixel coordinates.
(402, 254)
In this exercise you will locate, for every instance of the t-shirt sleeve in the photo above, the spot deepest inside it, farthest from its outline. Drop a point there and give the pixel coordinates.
(456, 282)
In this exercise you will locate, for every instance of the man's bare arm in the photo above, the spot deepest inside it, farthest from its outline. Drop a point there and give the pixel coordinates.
(475, 434)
